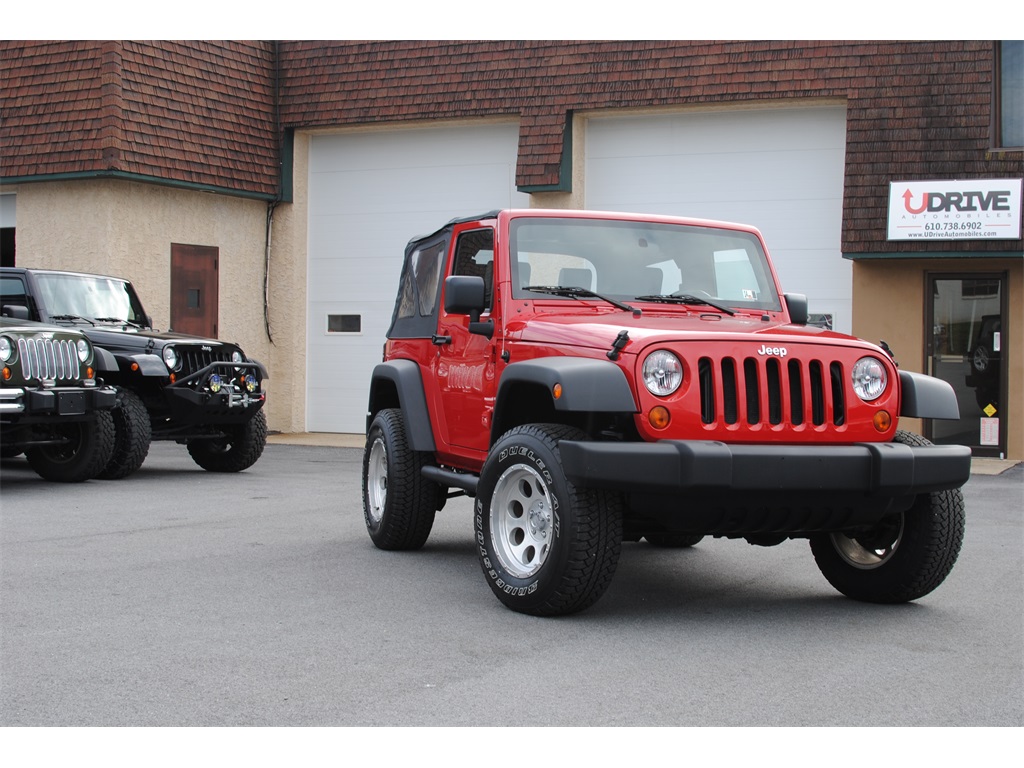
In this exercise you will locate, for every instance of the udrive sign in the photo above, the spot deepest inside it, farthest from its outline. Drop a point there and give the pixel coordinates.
(970, 209)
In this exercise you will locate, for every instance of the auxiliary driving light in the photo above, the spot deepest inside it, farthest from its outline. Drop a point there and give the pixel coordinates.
(214, 383)
(250, 383)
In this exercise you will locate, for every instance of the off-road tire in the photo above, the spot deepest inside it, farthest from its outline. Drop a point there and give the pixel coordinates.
(399, 504)
(132, 436)
(547, 548)
(85, 451)
(904, 557)
(239, 449)
(673, 540)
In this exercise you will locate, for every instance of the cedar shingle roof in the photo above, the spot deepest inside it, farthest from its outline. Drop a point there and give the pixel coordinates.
(198, 113)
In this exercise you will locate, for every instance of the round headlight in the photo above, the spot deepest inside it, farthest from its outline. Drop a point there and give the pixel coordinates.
(662, 372)
(6, 349)
(236, 356)
(869, 378)
(84, 351)
(170, 358)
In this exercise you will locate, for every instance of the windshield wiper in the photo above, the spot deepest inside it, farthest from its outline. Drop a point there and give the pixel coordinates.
(687, 298)
(578, 293)
(72, 317)
(116, 320)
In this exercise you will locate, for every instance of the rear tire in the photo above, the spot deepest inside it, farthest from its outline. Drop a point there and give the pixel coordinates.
(546, 547)
(239, 449)
(398, 502)
(132, 436)
(905, 556)
(85, 450)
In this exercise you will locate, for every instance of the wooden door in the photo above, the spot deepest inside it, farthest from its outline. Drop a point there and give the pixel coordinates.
(194, 287)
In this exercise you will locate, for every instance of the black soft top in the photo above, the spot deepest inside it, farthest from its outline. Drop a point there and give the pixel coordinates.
(449, 225)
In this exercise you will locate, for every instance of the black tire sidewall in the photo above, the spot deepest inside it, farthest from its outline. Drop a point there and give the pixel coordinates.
(530, 447)
(411, 500)
(246, 443)
(95, 438)
(930, 543)
(132, 436)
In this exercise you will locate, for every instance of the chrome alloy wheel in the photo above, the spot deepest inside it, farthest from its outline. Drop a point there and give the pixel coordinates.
(872, 549)
(377, 480)
(522, 521)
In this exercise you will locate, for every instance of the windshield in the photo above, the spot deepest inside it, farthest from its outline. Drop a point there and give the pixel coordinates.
(90, 296)
(625, 260)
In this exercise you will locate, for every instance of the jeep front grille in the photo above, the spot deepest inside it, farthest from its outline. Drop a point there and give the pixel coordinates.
(55, 359)
(770, 391)
(194, 359)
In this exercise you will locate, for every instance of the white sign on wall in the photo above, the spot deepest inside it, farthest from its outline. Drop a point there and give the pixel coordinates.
(966, 209)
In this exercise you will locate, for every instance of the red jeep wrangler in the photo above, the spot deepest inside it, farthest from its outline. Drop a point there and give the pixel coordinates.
(597, 377)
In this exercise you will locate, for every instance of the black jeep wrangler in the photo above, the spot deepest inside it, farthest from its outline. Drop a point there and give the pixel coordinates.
(203, 393)
(52, 408)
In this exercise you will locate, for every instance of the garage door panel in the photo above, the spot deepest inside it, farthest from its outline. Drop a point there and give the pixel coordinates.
(716, 177)
(369, 194)
(779, 170)
(390, 190)
(719, 132)
(445, 147)
(350, 278)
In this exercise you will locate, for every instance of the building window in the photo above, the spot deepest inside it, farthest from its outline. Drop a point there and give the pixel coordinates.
(1009, 112)
(344, 324)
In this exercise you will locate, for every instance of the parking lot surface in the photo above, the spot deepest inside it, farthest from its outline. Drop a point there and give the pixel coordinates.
(181, 597)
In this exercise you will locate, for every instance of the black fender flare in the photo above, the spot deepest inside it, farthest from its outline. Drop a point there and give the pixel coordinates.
(408, 383)
(926, 397)
(149, 365)
(587, 385)
(104, 361)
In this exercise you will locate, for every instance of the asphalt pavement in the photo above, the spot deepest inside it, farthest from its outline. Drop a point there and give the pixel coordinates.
(177, 597)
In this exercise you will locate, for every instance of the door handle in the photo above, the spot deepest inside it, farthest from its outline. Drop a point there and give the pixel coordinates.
(440, 340)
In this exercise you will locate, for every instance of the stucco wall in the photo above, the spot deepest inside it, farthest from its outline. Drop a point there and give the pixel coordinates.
(126, 229)
(889, 303)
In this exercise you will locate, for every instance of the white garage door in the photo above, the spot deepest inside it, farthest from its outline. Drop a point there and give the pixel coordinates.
(369, 194)
(780, 170)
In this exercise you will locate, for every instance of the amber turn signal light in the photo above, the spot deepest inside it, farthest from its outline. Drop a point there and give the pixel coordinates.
(659, 417)
(882, 421)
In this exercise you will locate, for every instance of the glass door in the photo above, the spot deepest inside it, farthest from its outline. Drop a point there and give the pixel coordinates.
(966, 345)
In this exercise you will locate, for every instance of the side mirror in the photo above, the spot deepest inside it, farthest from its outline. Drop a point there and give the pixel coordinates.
(17, 311)
(796, 303)
(464, 295)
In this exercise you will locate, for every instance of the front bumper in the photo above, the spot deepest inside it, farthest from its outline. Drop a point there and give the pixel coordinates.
(880, 469)
(25, 404)
(758, 491)
(191, 401)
